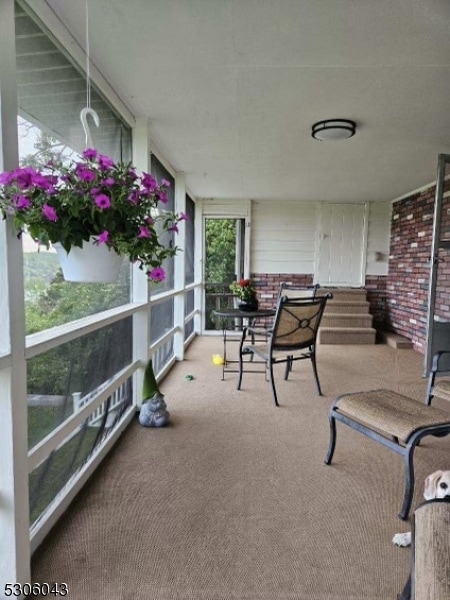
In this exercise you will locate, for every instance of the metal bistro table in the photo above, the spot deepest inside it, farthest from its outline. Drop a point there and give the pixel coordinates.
(235, 314)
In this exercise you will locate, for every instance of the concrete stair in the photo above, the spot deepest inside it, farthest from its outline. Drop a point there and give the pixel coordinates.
(346, 319)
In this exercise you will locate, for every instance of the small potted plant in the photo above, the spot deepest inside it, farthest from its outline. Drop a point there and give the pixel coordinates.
(246, 292)
(92, 203)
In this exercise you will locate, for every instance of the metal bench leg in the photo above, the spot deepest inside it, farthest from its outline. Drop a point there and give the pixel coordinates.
(313, 360)
(409, 478)
(272, 382)
(332, 445)
(241, 366)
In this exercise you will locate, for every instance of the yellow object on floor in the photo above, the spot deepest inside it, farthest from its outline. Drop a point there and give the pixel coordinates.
(217, 359)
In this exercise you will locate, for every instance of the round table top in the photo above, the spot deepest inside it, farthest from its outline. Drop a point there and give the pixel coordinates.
(233, 313)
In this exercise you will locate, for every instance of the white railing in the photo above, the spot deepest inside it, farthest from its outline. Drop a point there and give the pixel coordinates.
(116, 401)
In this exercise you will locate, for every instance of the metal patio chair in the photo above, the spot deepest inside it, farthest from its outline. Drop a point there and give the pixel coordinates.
(290, 290)
(293, 338)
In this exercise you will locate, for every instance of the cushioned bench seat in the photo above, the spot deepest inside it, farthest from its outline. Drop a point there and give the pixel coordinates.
(394, 420)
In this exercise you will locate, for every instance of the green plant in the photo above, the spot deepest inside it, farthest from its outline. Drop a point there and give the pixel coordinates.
(244, 289)
(93, 198)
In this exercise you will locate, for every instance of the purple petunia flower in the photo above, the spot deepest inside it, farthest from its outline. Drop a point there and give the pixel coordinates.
(165, 183)
(102, 201)
(24, 177)
(163, 197)
(41, 181)
(183, 216)
(108, 182)
(105, 162)
(144, 232)
(6, 178)
(103, 237)
(85, 174)
(90, 153)
(157, 274)
(49, 212)
(21, 202)
(149, 182)
(174, 228)
(133, 197)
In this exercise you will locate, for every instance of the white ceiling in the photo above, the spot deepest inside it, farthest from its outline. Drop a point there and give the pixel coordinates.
(232, 88)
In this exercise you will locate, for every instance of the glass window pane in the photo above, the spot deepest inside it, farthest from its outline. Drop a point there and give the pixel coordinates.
(190, 241)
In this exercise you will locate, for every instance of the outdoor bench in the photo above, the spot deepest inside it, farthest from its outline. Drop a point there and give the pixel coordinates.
(393, 420)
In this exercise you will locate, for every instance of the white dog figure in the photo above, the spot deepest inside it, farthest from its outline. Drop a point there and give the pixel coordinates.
(437, 485)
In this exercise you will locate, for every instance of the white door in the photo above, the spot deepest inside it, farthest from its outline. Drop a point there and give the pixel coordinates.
(340, 257)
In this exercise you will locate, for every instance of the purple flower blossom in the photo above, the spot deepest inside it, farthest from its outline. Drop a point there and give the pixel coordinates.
(90, 153)
(85, 174)
(21, 202)
(24, 177)
(41, 181)
(157, 274)
(149, 182)
(183, 216)
(163, 197)
(144, 232)
(6, 178)
(49, 212)
(165, 183)
(174, 228)
(105, 162)
(108, 182)
(133, 197)
(102, 201)
(103, 237)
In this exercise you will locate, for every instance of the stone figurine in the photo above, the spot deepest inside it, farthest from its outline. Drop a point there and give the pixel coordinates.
(154, 411)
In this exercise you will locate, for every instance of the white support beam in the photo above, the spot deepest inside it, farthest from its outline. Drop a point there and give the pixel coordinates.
(140, 285)
(199, 275)
(14, 502)
(180, 272)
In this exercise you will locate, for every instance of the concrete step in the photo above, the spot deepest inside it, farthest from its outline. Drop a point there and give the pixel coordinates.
(347, 306)
(345, 335)
(346, 320)
(351, 294)
(395, 341)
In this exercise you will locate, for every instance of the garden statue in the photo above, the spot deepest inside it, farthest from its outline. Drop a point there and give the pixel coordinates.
(154, 411)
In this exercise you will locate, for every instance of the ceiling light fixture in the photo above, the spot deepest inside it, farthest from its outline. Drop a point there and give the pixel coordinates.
(333, 129)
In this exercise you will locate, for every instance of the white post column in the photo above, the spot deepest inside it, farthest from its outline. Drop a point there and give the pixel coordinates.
(139, 281)
(180, 273)
(14, 501)
(199, 274)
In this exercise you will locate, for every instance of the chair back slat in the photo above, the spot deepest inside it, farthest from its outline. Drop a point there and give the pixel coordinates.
(297, 322)
(291, 290)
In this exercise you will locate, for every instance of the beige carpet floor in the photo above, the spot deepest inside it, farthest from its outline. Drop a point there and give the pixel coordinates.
(232, 501)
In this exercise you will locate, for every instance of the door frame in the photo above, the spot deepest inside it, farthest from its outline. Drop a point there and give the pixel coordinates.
(238, 210)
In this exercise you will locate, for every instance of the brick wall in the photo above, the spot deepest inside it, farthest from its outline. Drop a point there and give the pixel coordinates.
(376, 295)
(409, 256)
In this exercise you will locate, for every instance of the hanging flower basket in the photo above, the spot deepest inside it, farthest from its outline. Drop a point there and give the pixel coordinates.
(93, 263)
(93, 198)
